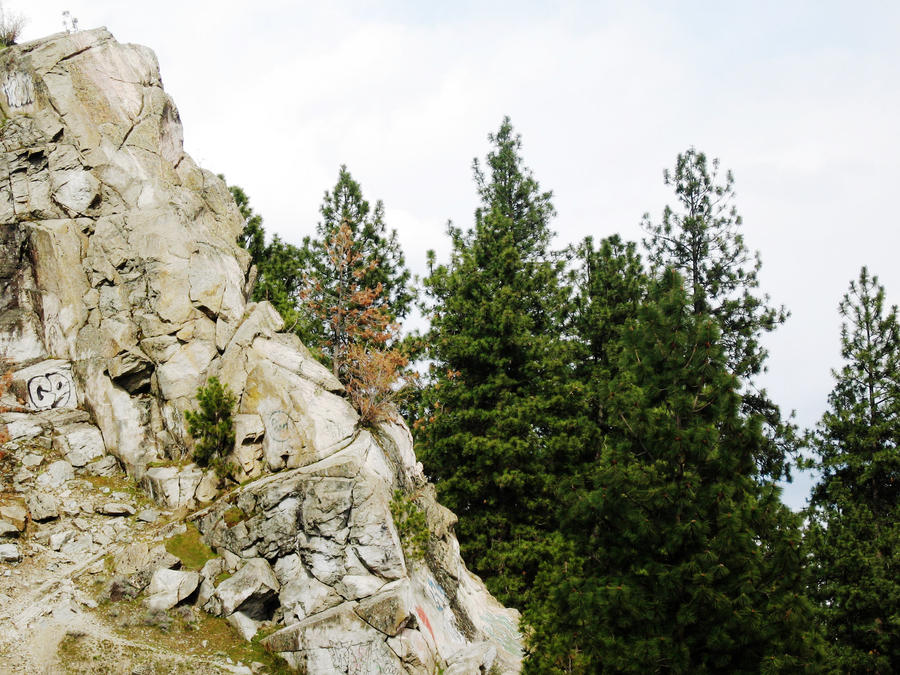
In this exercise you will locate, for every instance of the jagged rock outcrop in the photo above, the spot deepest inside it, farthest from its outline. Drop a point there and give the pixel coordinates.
(123, 291)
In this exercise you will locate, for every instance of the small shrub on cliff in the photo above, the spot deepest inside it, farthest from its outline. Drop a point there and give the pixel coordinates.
(411, 525)
(377, 381)
(212, 427)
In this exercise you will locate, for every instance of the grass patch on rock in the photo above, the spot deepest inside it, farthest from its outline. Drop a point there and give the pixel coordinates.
(233, 516)
(190, 548)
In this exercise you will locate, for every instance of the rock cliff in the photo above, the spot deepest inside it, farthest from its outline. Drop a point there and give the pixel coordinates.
(123, 291)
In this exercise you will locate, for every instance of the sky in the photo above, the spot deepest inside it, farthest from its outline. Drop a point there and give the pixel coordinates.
(799, 99)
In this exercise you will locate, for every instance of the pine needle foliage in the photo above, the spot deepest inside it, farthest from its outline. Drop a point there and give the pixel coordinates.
(370, 258)
(360, 337)
(212, 426)
(377, 383)
(854, 513)
(702, 240)
(411, 525)
(672, 557)
(486, 429)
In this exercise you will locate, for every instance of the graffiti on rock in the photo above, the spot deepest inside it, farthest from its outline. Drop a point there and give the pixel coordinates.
(423, 617)
(437, 595)
(51, 390)
(19, 89)
(502, 632)
(278, 426)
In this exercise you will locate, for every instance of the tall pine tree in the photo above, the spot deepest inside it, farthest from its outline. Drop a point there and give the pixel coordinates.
(854, 512)
(611, 285)
(702, 240)
(486, 433)
(378, 255)
(672, 557)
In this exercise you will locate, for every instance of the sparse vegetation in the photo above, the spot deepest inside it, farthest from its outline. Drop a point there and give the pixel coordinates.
(11, 26)
(70, 22)
(233, 516)
(411, 525)
(377, 381)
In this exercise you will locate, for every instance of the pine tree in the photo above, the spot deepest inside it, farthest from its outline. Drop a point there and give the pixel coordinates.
(379, 261)
(854, 512)
(349, 310)
(611, 284)
(253, 236)
(486, 432)
(279, 267)
(703, 242)
(672, 556)
(212, 427)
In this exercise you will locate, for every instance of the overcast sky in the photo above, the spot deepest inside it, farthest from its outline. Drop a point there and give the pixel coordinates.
(799, 99)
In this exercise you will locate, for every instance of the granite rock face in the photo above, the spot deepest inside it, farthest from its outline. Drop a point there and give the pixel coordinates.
(122, 291)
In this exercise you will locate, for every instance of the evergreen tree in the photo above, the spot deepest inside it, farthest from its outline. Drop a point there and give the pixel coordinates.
(279, 267)
(486, 435)
(212, 426)
(854, 512)
(379, 261)
(672, 557)
(253, 236)
(703, 242)
(611, 284)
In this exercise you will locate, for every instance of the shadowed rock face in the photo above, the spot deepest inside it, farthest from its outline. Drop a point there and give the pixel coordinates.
(123, 291)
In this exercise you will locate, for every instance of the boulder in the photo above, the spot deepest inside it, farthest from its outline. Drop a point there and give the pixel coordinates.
(172, 486)
(60, 539)
(412, 649)
(78, 545)
(105, 466)
(336, 640)
(9, 553)
(148, 515)
(79, 443)
(32, 459)
(243, 624)
(56, 474)
(300, 598)
(115, 509)
(42, 506)
(252, 590)
(22, 428)
(138, 562)
(46, 385)
(169, 587)
(15, 514)
(387, 611)
(474, 658)
(207, 488)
